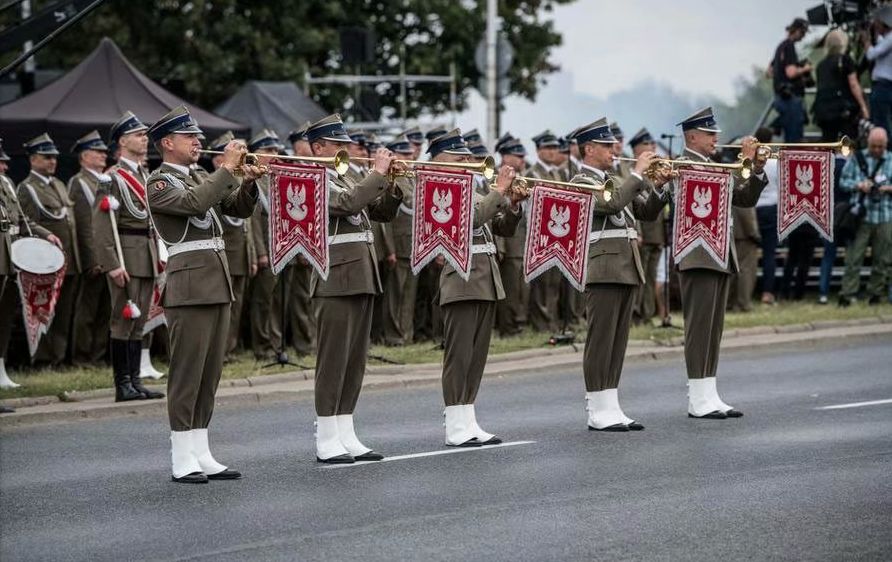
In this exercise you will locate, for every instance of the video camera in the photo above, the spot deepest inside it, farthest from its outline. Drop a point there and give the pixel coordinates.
(838, 12)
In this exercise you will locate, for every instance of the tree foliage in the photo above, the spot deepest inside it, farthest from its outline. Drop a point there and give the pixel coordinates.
(203, 50)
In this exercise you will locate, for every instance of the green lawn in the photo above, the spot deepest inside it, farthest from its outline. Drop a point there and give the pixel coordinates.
(42, 382)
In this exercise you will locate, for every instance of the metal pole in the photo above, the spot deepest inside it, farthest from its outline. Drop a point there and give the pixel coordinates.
(403, 102)
(452, 93)
(491, 84)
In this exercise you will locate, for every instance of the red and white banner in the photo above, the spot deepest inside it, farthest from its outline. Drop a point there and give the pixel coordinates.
(39, 294)
(298, 215)
(156, 315)
(443, 223)
(558, 234)
(703, 214)
(805, 191)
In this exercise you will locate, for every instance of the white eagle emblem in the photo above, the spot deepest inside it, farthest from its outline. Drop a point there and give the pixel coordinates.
(702, 205)
(558, 226)
(442, 209)
(296, 207)
(805, 179)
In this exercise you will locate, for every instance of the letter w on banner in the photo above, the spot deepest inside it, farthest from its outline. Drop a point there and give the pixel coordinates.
(298, 215)
(443, 220)
(703, 214)
(805, 193)
(558, 234)
(39, 294)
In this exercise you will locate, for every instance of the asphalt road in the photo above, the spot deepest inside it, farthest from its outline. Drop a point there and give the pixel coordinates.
(787, 481)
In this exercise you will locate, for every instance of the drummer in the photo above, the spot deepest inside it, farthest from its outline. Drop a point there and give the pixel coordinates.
(13, 224)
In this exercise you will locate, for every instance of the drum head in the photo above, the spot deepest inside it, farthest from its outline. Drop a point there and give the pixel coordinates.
(36, 255)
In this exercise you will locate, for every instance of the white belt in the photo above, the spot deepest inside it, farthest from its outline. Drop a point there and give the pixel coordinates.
(13, 230)
(407, 210)
(363, 236)
(215, 244)
(488, 248)
(629, 233)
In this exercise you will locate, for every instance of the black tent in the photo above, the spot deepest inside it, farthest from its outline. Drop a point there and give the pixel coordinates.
(280, 106)
(93, 95)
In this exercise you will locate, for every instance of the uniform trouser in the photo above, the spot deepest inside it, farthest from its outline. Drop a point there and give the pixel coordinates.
(9, 291)
(266, 333)
(301, 309)
(428, 315)
(399, 304)
(650, 261)
(467, 327)
(235, 315)
(704, 296)
(513, 310)
(54, 344)
(744, 283)
(91, 319)
(879, 238)
(544, 296)
(343, 326)
(197, 345)
(379, 307)
(139, 290)
(609, 309)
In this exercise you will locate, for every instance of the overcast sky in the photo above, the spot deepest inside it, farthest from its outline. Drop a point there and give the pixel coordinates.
(696, 47)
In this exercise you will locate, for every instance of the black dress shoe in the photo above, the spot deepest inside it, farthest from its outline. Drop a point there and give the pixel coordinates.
(614, 427)
(370, 456)
(340, 459)
(732, 413)
(491, 441)
(473, 442)
(191, 478)
(716, 415)
(635, 426)
(6, 410)
(226, 474)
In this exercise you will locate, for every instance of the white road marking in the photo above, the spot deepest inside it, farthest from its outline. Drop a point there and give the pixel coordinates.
(432, 454)
(856, 404)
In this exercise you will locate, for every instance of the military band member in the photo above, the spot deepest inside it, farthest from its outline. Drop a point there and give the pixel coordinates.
(299, 143)
(44, 199)
(240, 253)
(513, 310)
(266, 299)
(651, 240)
(91, 316)
(186, 211)
(416, 140)
(13, 225)
(614, 270)
(545, 289)
(300, 311)
(469, 307)
(704, 283)
(344, 301)
(572, 165)
(473, 137)
(401, 285)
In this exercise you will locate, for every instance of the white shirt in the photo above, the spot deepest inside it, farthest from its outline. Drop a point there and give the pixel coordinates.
(769, 194)
(881, 55)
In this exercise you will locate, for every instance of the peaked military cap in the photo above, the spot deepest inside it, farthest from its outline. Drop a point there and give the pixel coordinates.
(126, 124)
(220, 142)
(641, 136)
(400, 145)
(42, 145)
(546, 139)
(435, 133)
(329, 128)
(511, 145)
(703, 120)
(571, 136)
(372, 142)
(564, 145)
(299, 134)
(357, 136)
(267, 138)
(473, 136)
(177, 121)
(598, 131)
(90, 141)
(3, 156)
(414, 135)
(478, 149)
(616, 131)
(451, 143)
(502, 140)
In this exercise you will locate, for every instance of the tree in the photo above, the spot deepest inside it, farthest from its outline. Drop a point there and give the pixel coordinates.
(203, 50)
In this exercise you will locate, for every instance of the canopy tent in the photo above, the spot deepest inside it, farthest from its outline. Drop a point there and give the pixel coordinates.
(93, 95)
(280, 106)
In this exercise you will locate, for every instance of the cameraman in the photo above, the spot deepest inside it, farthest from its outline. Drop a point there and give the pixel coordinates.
(880, 55)
(790, 79)
(868, 177)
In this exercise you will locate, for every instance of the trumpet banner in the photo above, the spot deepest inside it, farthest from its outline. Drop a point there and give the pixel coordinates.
(39, 294)
(703, 214)
(558, 234)
(444, 219)
(298, 215)
(805, 191)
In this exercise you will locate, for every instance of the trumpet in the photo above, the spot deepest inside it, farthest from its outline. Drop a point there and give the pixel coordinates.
(340, 161)
(523, 185)
(487, 168)
(744, 166)
(844, 146)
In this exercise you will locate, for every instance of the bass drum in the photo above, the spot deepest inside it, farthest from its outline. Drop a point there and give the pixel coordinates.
(37, 256)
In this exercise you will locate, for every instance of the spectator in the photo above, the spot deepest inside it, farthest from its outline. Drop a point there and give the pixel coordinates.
(839, 101)
(790, 77)
(829, 256)
(881, 57)
(867, 177)
(766, 214)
